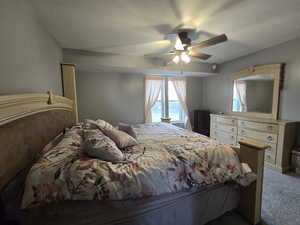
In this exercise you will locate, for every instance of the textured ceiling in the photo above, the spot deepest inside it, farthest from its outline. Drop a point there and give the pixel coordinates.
(140, 27)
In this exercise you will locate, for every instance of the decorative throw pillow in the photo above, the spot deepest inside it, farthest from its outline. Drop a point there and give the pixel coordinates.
(97, 124)
(90, 124)
(128, 129)
(103, 124)
(121, 138)
(97, 145)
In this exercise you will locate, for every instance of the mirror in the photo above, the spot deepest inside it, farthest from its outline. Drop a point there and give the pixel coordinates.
(253, 94)
(255, 91)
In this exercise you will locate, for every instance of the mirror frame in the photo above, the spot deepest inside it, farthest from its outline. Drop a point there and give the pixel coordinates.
(278, 71)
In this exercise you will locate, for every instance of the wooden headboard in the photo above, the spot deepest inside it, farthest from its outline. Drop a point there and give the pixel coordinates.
(27, 123)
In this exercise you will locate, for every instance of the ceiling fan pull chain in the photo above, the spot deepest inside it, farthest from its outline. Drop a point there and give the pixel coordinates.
(181, 68)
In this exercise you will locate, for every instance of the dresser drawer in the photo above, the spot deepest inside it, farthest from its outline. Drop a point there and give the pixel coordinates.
(270, 158)
(228, 121)
(224, 137)
(213, 118)
(212, 133)
(271, 149)
(265, 137)
(266, 127)
(224, 127)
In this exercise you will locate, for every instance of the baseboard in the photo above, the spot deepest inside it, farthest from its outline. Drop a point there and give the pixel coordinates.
(279, 169)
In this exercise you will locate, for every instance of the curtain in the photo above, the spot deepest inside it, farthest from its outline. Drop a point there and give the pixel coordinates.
(180, 88)
(241, 88)
(153, 87)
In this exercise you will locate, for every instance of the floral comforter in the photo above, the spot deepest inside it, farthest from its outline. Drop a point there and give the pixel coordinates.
(166, 160)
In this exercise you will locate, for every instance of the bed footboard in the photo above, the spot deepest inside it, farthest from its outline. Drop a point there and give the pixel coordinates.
(252, 153)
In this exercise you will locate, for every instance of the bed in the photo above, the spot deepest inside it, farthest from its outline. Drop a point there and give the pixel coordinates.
(28, 122)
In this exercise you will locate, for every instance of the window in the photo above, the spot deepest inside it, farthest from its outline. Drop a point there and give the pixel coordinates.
(168, 104)
(239, 103)
(157, 110)
(236, 105)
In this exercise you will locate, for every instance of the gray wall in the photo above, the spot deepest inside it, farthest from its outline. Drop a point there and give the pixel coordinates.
(217, 89)
(216, 93)
(111, 96)
(29, 57)
(194, 88)
(119, 97)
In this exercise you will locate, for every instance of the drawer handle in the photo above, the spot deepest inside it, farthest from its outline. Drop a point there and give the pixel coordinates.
(232, 129)
(268, 156)
(232, 121)
(242, 131)
(270, 138)
(243, 123)
(270, 128)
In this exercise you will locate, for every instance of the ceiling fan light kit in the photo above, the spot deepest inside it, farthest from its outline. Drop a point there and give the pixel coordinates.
(181, 57)
(176, 59)
(184, 49)
(185, 58)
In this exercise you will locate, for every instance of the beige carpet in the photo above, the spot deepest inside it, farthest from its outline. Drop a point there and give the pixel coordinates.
(281, 202)
(281, 199)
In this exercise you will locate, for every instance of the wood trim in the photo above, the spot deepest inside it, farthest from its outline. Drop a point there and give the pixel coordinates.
(178, 78)
(13, 107)
(277, 70)
(254, 119)
(69, 85)
(252, 153)
(256, 145)
(253, 70)
(276, 168)
(154, 78)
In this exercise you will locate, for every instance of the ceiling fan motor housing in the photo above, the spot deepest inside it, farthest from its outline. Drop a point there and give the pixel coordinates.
(185, 40)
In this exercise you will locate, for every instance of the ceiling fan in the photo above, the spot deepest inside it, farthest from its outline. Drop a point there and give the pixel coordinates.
(183, 48)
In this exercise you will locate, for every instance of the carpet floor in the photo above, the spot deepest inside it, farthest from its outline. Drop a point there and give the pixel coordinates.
(281, 199)
(281, 202)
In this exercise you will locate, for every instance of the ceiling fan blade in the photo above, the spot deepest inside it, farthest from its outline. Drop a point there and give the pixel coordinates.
(170, 53)
(213, 41)
(160, 54)
(200, 55)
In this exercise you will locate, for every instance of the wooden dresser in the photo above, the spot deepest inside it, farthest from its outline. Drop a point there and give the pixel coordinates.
(278, 134)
